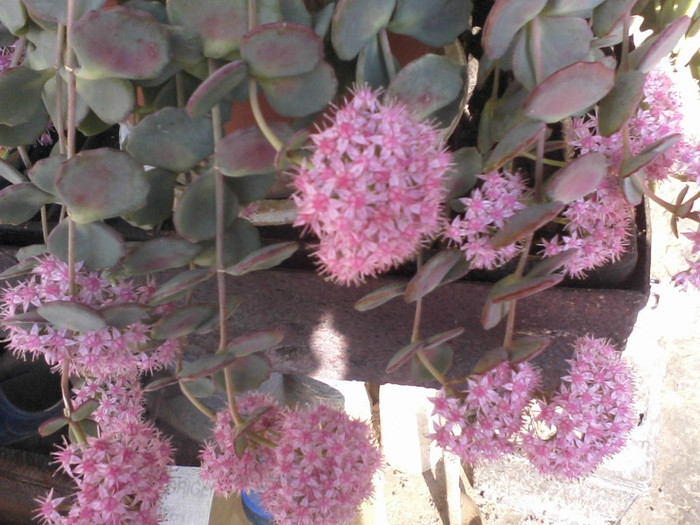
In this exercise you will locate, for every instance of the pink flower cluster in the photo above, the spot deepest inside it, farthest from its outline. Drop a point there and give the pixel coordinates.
(487, 209)
(598, 227)
(100, 354)
(120, 477)
(691, 275)
(372, 189)
(588, 418)
(320, 471)
(484, 422)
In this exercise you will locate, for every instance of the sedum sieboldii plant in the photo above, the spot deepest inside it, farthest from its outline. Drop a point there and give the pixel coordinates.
(577, 123)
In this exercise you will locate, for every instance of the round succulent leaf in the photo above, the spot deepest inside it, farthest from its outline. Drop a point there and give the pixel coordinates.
(431, 274)
(185, 47)
(404, 355)
(180, 284)
(13, 15)
(85, 410)
(371, 67)
(251, 188)
(49, 96)
(526, 348)
(618, 106)
(560, 41)
(53, 425)
(503, 22)
(124, 314)
(550, 264)
(20, 202)
(295, 11)
(301, 95)
(185, 320)
(111, 99)
(170, 139)
(69, 315)
(648, 154)
(43, 173)
(582, 8)
(569, 91)
(20, 92)
(647, 56)
(255, 342)
(633, 190)
(493, 313)
(215, 88)
(462, 177)
(159, 199)
(433, 23)
(120, 43)
(41, 53)
(27, 132)
(249, 372)
(578, 178)
(438, 339)
(515, 141)
(220, 24)
(200, 387)
(11, 174)
(525, 287)
(440, 357)
(490, 360)
(246, 151)
(154, 7)
(322, 20)
(54, 11)
(240, 239)
(212, 323)
(97, 245)
(264, 258)
(526, 221)
(609, 14)
(195, 215)
(427, 84)
(158, 255)
(91, 125)
(281, 49)
(205, 365)
(380, 296)
(25, 320)
(157, 384)
(100, 184)
(355, 22)
(23, 267)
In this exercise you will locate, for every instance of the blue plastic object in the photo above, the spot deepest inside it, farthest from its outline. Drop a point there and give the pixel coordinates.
(254, 509)
(17, 424)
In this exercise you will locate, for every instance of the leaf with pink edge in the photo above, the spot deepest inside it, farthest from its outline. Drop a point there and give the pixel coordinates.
(525, 287)
(249, 372)
(526, 348)
(84, 410)
(25, 320)
(43, 173)
(647, 56)
(404, 355)
(431, 274)
(578, 178)
(104, 50)
(12, 175)
(281, 49)
(648, 154)
(255, 342)
(246, 151)
(505, 19)
(569, 91)
(609, 14)
(159, 199)
(550, 264)
(433, 23)
(215, 88)
(54, 11)
(301, 95)
(380, 296)
(180, 284)
(53, 425)
(212, 323)
(355, 22)
(440, 357)
(633, 189)
(200, 387)
(206, 365)
(493, 313)
(581, 8)
(618, 106)
(170, 139)
(122, 315)
(441, 338)
(100, 184)
(20, 202)
(490, 360)
(185, 320)
(427, 84)
(162, 382)
(264, 258)
(158, 255)
(526, 221)
(463, 175)
(518, 139)
(70, 315)
(96, 244)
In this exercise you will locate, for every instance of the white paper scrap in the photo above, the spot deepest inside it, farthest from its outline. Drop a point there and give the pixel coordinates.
(188, 500)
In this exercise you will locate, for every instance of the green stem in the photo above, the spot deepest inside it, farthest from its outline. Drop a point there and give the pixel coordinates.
(20, 46)
(649, 193)
(548, 162)
(196, 402)
(386, 54)
(58, 63)
(274, 141)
